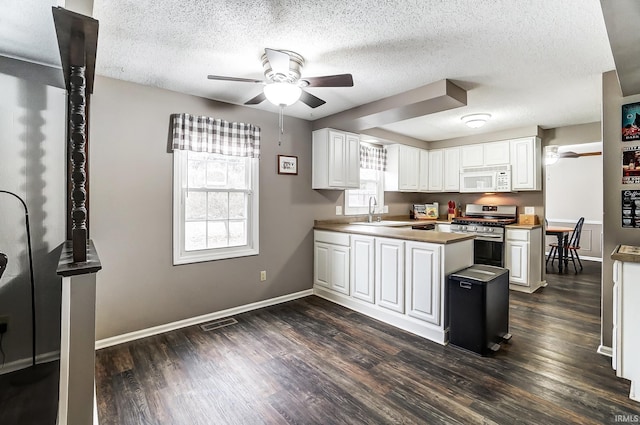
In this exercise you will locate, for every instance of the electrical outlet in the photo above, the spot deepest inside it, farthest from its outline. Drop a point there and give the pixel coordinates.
(4, 324)
(338, 210)
(263, 275)
(385, 209)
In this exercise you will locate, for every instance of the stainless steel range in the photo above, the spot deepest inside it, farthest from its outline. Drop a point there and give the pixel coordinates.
(487, 223)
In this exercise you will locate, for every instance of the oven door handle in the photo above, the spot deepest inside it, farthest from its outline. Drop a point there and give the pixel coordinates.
(491, 238)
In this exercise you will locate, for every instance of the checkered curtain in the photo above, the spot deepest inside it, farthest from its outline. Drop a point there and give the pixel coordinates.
(204, 134)
(374, 158)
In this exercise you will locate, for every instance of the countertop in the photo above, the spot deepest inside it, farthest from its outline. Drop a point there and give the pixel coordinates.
(523, 226)
(429, 236)
(628, 253)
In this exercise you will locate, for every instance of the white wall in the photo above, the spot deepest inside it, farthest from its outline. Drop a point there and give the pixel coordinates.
(574, 190)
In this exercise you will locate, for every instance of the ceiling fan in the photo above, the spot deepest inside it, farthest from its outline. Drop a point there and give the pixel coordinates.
(283, 83)
(552, 154)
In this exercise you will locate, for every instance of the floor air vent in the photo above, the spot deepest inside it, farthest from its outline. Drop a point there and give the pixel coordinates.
(217, 324)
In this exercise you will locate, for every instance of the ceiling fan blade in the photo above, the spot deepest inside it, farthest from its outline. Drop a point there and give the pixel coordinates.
(258, 99)
(340, 80)
(241, 80)
(278, 60)
(571, 154)
(311, 100)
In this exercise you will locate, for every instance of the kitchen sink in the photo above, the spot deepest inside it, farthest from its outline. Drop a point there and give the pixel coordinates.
(383, 223)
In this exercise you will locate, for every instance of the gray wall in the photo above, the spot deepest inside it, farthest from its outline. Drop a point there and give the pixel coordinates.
(32, 165)
(614, 234)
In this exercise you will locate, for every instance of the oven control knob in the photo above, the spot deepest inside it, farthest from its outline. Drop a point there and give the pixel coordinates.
(472, 228)
(490, 229)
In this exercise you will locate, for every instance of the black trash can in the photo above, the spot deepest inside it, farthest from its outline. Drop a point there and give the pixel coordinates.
(478, 308)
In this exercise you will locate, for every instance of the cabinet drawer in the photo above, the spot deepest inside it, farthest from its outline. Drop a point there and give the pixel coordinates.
(334, 238)
(518, 235)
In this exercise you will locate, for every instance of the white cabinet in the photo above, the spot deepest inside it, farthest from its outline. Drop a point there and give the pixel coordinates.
(336, 160)
(523, 258)
(526, 167)
(626, 316)
(422, 278)
(496, 153)
(362, 267)
(435, 170)
(485, 154)
(403, 168)
(389, 274)
(423, 171)
(331, 261)
(471, 156)
(451, 171)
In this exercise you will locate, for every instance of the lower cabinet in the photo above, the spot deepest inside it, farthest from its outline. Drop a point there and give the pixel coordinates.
(390, 274)
(523, 258)
(399, 282)
(362, 268)
(423, 277)
(331, 261)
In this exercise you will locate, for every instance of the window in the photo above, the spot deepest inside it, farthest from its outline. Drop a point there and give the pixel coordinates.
(215, 206)
(356, 201)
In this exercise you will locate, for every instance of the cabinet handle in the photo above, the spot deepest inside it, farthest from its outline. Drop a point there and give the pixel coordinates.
(465, 285)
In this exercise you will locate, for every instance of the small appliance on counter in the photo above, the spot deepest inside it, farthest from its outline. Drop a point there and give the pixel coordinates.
(424, 211)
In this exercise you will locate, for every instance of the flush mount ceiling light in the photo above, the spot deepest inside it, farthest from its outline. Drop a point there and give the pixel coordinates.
(282, 94)
(475, 120)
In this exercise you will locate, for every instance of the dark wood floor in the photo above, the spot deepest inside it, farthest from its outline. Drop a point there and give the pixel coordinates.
(30, 396)
(313, 362)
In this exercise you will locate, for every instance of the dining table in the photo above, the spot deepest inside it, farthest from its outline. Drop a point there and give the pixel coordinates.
(562, 233)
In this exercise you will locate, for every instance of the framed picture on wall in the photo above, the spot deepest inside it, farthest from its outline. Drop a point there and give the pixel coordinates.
(631, 122)
(287, 164)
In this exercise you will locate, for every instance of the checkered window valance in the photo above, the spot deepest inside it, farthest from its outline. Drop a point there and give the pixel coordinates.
(372, 157)
(205, 134)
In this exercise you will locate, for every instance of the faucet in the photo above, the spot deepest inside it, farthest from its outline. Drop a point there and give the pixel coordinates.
(372, 207)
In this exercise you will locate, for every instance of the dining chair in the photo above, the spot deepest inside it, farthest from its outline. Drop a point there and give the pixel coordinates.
(571, 249)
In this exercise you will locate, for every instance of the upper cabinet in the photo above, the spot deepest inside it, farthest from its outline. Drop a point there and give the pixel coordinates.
(451, 171)
(485, 154)
(403, 169)
(436, 159)
(526, 167)
(336, 160)
(423, 172)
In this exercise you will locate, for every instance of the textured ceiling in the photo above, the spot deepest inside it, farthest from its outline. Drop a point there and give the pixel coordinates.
(526, 62)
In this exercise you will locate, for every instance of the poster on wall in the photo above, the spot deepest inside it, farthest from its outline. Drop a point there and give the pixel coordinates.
(631, 208)
(631, 122)
(631, 165)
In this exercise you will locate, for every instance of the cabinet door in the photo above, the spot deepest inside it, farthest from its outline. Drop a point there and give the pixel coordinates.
(435, 170)
(496, 153)
(523, 164)
(340, 269)
(517, 260)
(616, 335)
(337, 159)
(390, 274)
(408, 168)
(471, 156)
(362, 268)
(352, 161)
(321, 269)
(422, 275)
(423, 170)
(451, 170)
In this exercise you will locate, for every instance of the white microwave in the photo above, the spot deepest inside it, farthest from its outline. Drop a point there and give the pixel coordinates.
(485, 179)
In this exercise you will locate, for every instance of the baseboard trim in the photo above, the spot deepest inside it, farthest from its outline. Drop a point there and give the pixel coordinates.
(27, 361)
(143, 333)
(605, 351)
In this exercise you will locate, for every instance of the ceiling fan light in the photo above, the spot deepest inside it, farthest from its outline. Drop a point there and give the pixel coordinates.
(282, 94)
(475, 120)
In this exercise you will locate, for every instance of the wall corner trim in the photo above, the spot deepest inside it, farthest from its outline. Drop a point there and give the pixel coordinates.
(143, 333)
(605, 351)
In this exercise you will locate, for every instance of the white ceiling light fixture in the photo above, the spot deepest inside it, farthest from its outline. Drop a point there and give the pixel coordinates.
(282, 93)
(551, 154)
(475, 120)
